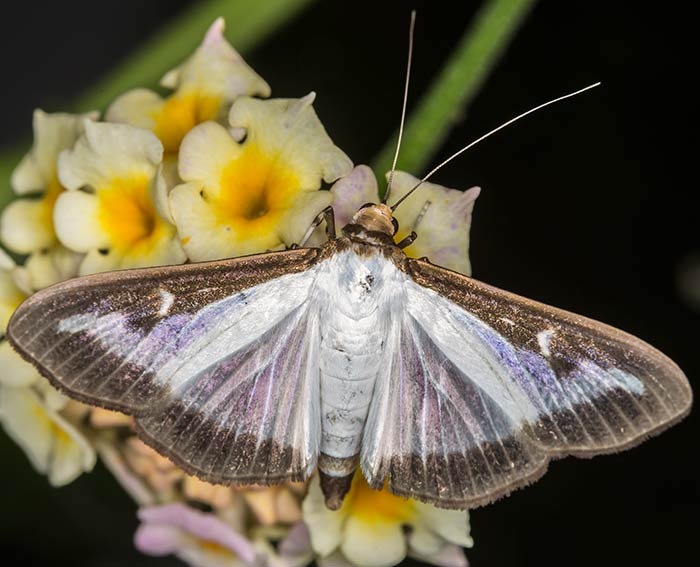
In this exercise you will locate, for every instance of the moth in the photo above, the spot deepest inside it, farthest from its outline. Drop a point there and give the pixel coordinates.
(262, 369)
(266, 368)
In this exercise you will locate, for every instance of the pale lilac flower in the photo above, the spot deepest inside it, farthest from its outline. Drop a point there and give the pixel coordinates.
(198, 538)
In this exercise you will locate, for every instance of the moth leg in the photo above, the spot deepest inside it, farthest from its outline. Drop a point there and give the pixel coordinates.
(326, 214)
(406, 242)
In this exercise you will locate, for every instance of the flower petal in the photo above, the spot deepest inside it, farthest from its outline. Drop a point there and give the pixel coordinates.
(205, 152)
(54, 446)
(137, 107)
(10, 296)
(217, 69)
(76, 218)
(199, 525)
(159, 539)
(449, 556)
(51, 266)
(440, 216)
(291, 129)
(299, 217)
(204, 236)
(25, 226)
(107, 151)
(450, 525)
(325, 526)
(351, 192)
(53, 133)
(15, 371)
(373, 544)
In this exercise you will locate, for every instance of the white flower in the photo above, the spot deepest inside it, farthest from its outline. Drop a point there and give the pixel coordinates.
(261, 194)
(26, 225)
(115, 209)
(441, 217)
(54, 446)
(375, 528)
(205, 86)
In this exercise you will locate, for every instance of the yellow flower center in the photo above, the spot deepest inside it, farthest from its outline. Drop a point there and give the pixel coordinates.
(255, 190)
(179, 114)
(215, 548)
(127, 213)
(377, 506)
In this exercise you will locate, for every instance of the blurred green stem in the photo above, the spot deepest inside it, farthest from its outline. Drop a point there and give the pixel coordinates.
(458, 83)
(248, 22)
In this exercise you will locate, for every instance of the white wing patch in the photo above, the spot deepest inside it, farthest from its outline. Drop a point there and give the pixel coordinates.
(543, 338)
(167, 300)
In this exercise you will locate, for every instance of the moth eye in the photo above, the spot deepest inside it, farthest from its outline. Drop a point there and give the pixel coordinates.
(367, 205)
(396, 224)
(103, 251)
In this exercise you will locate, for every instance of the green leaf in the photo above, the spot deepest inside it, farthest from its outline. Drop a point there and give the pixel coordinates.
(456, 86)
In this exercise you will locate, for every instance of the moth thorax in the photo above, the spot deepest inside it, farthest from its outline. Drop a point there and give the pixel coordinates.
(375, 218)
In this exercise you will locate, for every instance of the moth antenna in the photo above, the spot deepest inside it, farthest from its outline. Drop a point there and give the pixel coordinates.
(490, 133)
(403, 109)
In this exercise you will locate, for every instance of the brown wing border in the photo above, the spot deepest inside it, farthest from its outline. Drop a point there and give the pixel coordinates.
(241, 273)
(483, 301)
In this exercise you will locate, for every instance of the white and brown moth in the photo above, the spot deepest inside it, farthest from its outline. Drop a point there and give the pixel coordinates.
(262, 369)
(265, 368)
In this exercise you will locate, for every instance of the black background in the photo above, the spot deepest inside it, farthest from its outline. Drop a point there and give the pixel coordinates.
(585, 206)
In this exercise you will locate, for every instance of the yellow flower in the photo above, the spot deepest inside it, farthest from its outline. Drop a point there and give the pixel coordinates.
(205, 85)
(243, 198)
(116, 207)
(54, 446)
(441, 217)
(26, 225)
(375, 528)
(14, 371)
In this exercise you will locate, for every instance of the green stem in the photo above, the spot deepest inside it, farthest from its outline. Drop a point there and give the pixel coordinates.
(458, 83)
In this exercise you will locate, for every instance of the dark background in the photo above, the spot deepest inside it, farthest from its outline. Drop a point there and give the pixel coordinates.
(584, 206)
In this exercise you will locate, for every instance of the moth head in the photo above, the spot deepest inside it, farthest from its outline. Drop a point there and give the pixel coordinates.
(376, 218)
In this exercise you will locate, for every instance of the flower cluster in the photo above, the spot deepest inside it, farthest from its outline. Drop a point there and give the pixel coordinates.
(214, 170)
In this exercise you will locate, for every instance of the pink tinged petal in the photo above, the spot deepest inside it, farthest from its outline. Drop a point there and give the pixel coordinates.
(159, 539)
(297, 541)
(353, 191)
(199, 525)
(449, 556)
(440, 216)
(295, 549)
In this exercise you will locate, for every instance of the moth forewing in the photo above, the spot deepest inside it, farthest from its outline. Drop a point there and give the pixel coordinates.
(161, 344)
(483, 388)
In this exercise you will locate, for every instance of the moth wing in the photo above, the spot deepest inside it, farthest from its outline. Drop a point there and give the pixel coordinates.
(489, 386)
(217, 362)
